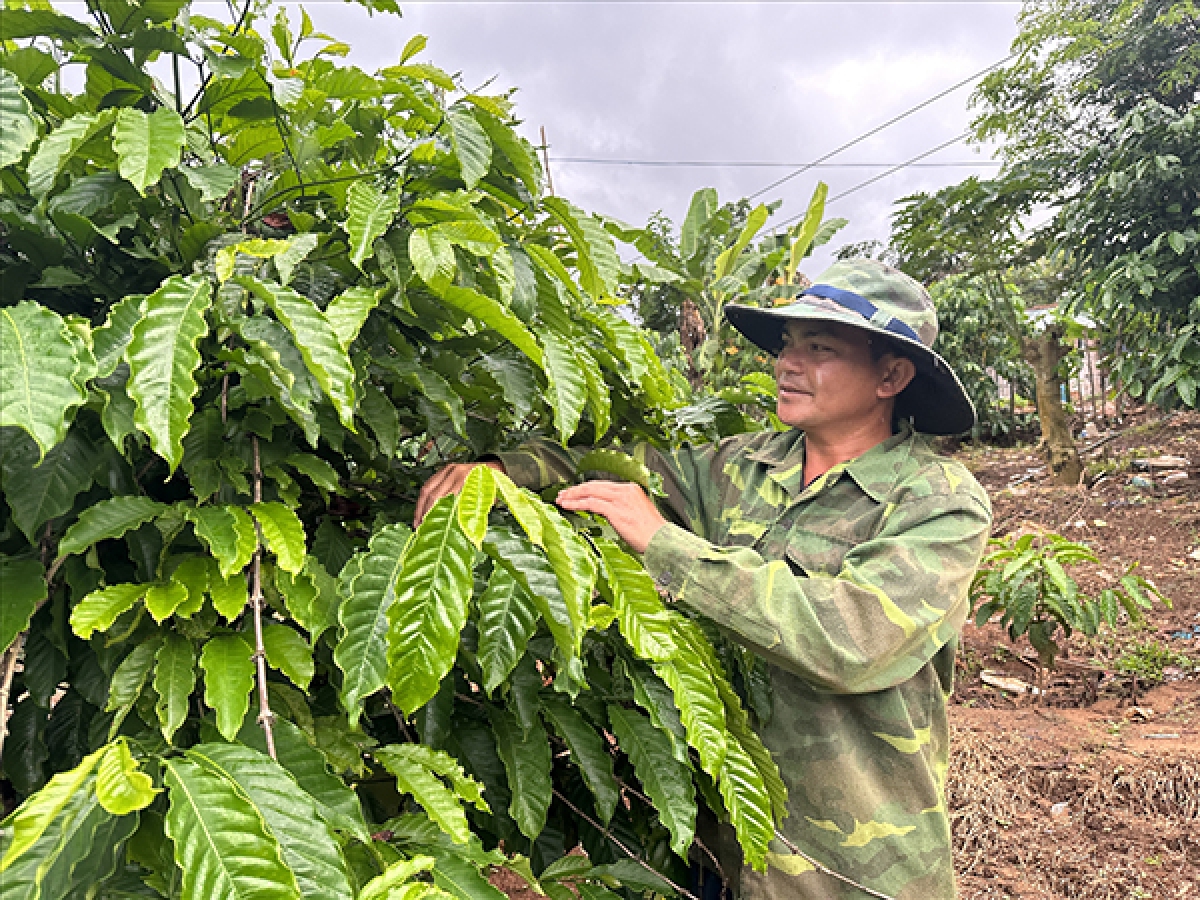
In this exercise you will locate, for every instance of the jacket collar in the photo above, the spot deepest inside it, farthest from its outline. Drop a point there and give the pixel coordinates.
(875, 472)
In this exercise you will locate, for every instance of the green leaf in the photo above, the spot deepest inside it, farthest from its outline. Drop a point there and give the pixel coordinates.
(667, 781)
(108, 520)
(382, 418)
(78, 849)
(599, 265)
(214, 182)
(700, 708)
(416, 768)
(369, 215)
(599, 400)
(336, 803)
(526, 758)
(640, 365)
(702, 208)
(432, 257)
(129, 680)
(574, 566)
(368, 592)
(147, 144)
(641, 615)
(59, 146)
(348, 310)
(121, 786)
(516, 149)
(283, 533)
(748, 804)
(37, 492)
(23, 587)
(393, 883)
(530, 568)
(462, 879)
(18, 130)
(311, 597)
(695, 646)
(288, 652)
(230, 538)
(728, 259)
(587, 752)
(174, 679)
(550, 264)
(415, 45)
(42, 379)
(163, 599)
(163, 360)
(228, 664)
(221, 843)
(471, 146)
(475, 501)
(492, 314)
(110, 339)
(806, 231)
(508, 618)
(317, 341)
(568, 389)
(308, 847)
(430, 609)
(98, 610)
(632, 875)
(34, 816)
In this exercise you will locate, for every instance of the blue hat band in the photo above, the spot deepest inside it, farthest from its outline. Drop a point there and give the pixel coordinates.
(865, 308)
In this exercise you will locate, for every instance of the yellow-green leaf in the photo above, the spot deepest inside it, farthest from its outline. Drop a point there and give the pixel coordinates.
(121, 786)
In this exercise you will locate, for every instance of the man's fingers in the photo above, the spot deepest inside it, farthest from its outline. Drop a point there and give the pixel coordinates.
(445, 481)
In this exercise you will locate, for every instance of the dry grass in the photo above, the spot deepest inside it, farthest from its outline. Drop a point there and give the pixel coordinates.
(1131, 832)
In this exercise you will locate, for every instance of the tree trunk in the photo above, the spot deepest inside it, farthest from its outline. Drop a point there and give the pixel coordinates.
(1043, 353)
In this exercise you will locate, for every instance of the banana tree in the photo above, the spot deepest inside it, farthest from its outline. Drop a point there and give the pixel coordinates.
(716, 262)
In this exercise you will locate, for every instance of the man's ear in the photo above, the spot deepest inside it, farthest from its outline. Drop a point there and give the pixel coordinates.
(897, 373)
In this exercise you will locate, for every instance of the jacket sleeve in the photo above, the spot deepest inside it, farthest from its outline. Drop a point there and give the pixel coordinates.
(898, 598)
(689, 496)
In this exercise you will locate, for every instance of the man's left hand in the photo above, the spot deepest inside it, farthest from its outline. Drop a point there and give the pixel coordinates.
(630, 512)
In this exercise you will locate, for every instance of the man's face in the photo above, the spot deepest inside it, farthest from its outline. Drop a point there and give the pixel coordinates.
(827, 378)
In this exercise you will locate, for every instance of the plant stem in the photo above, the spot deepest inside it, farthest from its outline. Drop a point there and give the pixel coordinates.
(10, 669)
(620, 846)
(266, 718)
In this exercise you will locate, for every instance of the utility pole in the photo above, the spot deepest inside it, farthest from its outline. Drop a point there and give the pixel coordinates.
(546, 162)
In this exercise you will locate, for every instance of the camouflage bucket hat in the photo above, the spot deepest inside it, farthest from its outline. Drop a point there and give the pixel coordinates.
(867, 294)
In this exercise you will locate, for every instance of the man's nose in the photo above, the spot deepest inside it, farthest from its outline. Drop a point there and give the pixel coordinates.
(789, 359)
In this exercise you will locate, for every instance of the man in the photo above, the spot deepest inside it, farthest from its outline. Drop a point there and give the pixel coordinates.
(841, 551)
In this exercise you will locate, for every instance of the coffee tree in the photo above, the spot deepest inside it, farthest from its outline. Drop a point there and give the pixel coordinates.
(252, 297)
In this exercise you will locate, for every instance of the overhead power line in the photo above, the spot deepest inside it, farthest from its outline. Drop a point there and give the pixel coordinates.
(874, 131)
(862, 184)
(746, 164)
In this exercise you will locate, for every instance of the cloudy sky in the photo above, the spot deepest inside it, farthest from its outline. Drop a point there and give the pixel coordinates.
(723, 82)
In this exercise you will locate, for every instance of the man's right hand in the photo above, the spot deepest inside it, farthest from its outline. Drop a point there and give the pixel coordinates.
(447, 480)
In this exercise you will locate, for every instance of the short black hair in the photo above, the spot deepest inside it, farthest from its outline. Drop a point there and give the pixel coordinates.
(881, 345)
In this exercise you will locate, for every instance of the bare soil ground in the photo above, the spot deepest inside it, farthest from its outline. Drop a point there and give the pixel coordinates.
(1092, 791)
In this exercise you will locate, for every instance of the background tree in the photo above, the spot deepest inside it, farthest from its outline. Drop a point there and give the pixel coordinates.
(1103, 96)
(975, 230)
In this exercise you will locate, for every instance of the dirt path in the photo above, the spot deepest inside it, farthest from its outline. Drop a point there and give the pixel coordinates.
(1073, 798)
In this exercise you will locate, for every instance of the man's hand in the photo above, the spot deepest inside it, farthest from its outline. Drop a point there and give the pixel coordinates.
(629, 511)
(447, 480)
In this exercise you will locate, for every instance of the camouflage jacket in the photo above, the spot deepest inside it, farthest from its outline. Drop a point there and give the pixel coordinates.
(853, 589)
